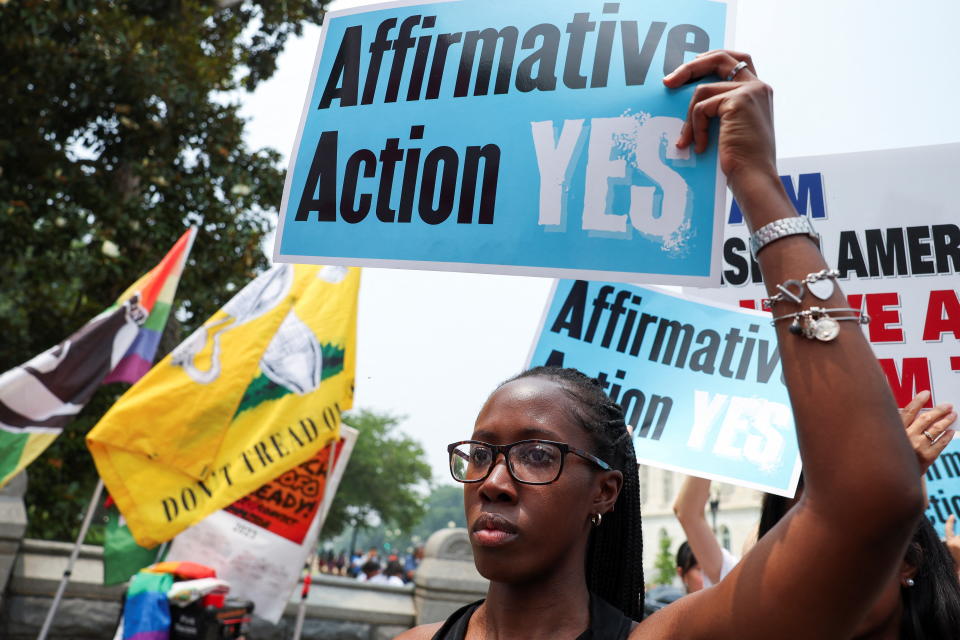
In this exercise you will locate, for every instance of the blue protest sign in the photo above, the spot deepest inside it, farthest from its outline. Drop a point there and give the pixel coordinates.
(943, 487)
(701, 384)
(499, 136)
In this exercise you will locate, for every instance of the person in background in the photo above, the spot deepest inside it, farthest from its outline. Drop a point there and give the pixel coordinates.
(393, 574)
(369, 571)
(371, 555)
(688, 569)
(714, 561)
(356, 562)
(953, 540)
(340, 564)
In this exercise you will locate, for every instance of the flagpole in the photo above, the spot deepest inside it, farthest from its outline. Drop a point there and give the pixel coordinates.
(302, 609)
(91, 507)
(321, 513)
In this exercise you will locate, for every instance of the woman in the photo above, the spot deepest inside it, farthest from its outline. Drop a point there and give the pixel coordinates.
(554, 551)
(708, 562)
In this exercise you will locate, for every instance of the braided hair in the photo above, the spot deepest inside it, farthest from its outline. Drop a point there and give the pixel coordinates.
(615, 549)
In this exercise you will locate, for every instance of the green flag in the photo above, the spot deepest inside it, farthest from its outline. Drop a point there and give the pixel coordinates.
(122, 556)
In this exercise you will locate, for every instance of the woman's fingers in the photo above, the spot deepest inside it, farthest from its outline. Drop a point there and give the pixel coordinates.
(697, 127)
(696, 124)
(909, 413)
(930, 424)
(930, 433)
(719, 63)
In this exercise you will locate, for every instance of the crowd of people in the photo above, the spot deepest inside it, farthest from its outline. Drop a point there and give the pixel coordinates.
(372, 566)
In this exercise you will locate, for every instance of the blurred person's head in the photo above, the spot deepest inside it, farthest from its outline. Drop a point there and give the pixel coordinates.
(370, 568)
(689, 569)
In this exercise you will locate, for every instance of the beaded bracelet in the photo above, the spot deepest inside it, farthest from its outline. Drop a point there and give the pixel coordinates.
(816, 323)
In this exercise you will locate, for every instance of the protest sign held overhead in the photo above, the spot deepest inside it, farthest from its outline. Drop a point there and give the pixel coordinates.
(40, 397)
(254, 392)
(259, 543)
(494, 136)
(700, 384)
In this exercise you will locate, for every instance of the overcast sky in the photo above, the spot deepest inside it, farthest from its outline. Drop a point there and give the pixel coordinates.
(849, 75)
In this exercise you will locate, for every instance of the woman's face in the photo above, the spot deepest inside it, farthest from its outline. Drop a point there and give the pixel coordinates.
(692, 579)
(522, 532)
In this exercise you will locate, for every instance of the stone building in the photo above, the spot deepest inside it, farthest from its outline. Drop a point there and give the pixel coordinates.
(736, 522)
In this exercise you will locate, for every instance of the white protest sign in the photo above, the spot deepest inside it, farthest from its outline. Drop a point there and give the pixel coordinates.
(888, 222)
(260, 543)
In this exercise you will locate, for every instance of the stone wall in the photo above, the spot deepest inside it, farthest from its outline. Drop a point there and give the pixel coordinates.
(337, 608)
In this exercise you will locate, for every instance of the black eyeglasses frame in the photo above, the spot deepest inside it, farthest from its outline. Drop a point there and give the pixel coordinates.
(505, 448)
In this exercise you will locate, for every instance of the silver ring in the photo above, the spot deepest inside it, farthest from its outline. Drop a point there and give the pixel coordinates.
(929, 436)
(737, 69)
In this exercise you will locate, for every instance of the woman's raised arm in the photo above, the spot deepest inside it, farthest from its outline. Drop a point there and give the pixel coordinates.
(816, 573)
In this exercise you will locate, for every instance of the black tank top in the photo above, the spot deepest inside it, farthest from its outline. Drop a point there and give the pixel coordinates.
(606, 622)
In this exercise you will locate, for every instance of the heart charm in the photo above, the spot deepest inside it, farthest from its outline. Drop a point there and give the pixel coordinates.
(822, 289)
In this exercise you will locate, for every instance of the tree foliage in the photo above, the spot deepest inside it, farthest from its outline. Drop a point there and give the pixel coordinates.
(665, 563)
(385, 479)
(118, 132)
(442, 507)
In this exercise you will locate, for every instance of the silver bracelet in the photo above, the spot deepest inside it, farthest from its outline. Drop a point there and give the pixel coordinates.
(816, 323)
(820, 283)
(781, 229)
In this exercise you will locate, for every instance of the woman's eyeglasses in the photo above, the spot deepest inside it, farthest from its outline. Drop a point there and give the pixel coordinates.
(528, 461)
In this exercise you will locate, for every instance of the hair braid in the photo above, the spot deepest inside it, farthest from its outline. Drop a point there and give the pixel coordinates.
(615, 549)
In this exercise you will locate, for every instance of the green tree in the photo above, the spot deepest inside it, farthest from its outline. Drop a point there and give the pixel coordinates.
(385, 480)
(665, 564)
(119, 130)
(443, 506)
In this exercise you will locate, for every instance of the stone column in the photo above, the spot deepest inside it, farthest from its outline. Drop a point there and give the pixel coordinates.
(13, 525)
(446, 578)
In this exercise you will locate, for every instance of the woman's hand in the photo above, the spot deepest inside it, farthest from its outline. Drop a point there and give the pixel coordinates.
(744, 106)
(929, 432)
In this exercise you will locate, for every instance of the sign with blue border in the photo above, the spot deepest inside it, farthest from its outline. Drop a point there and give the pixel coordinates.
(497, 136)
(700, 383)
(943, 487)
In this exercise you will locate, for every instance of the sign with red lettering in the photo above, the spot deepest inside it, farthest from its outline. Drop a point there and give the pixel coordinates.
(260, 542)
(286, 505)
(888, 222)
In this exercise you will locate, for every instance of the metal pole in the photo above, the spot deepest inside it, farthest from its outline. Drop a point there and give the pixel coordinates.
(321, 513)
(302, 610)
(91, 507)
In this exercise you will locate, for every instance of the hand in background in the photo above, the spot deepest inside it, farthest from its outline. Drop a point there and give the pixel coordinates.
(929, 432)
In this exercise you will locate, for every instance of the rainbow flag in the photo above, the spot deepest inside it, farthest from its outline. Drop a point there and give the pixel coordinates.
(40, 397)
(158, 288)
(146, 611)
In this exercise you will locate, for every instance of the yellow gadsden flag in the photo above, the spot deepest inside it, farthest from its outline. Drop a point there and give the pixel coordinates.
(255, 391)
